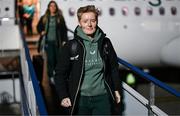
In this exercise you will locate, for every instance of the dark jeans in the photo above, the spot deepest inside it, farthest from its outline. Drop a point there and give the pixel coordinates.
(52, 54)
(28, 23)
(94, 105)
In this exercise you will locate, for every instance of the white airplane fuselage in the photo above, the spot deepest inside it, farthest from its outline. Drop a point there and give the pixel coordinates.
(143, 40)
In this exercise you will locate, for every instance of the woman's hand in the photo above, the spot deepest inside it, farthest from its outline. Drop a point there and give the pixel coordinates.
(66, 102)
(117, 97)
(43, 33)
(63, 43)
(26, 15)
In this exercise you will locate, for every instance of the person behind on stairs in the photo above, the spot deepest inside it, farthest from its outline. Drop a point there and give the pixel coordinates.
(53, 29)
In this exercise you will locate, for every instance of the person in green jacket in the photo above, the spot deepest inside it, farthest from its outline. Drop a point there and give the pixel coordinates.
(87, 74)
(53, 29)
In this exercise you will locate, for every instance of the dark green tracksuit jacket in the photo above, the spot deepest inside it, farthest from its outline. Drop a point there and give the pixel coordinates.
(71, 66)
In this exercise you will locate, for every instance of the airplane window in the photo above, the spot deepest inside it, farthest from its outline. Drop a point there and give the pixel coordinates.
(149, 11)
(112, 11)
(99, 11)
(137, 11)
(124, 11)
(173, 10)
(161, 10)
(71, 11)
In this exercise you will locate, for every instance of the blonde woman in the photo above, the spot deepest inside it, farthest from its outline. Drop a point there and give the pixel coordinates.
(52, 25)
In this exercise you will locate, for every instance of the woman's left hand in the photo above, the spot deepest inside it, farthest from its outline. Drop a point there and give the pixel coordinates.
(63, 43)
(117, 97)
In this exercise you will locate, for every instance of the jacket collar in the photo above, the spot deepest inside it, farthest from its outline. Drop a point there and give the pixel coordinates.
(78, 37)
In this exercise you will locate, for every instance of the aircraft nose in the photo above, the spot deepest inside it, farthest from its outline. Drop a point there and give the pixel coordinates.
(170, 53)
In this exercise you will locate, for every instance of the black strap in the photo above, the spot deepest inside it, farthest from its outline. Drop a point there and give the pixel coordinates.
(73, 47)
(39, 43)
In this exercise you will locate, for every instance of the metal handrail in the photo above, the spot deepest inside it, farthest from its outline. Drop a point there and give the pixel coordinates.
(39, 97)
(149, 77)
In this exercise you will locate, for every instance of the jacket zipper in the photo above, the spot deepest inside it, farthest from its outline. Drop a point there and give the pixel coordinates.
(110, 90)
(107, 83)
(79, 80)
